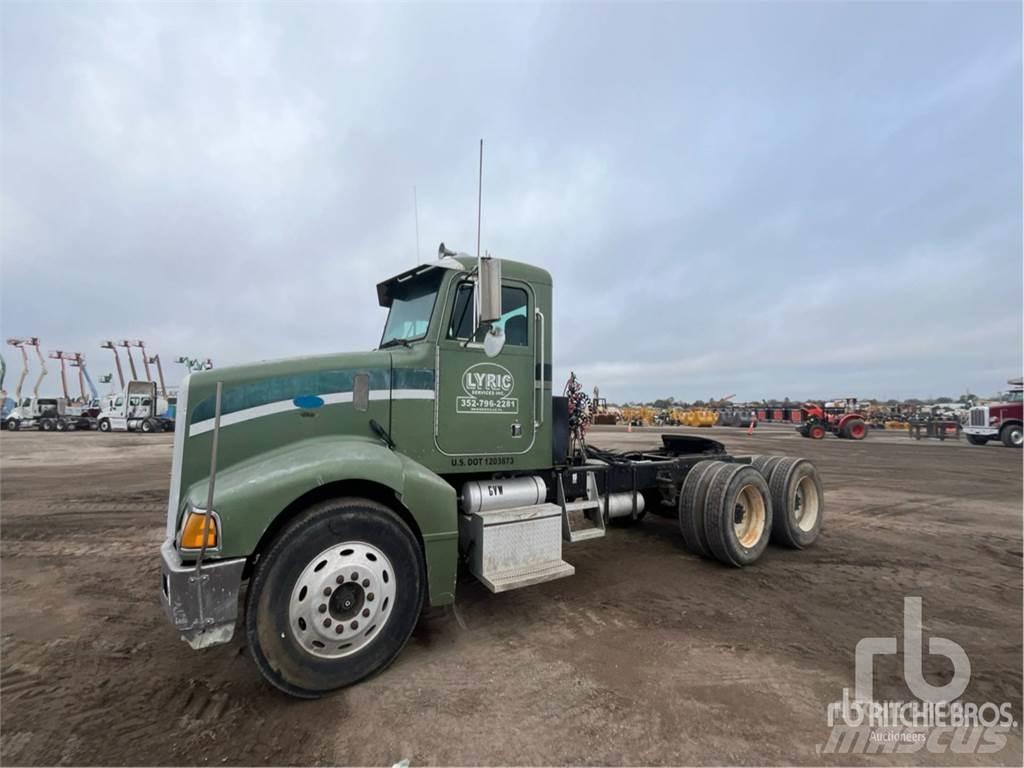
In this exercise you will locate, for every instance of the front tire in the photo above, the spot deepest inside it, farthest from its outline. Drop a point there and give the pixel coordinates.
(12, 425)
(1012, 436)
(345, 564)
(104, 425)
(977, 439)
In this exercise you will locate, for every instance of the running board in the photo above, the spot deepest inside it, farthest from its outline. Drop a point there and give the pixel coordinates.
(577, 514)
(517, 547)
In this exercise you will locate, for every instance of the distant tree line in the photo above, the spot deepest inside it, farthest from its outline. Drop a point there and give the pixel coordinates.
(665, 403)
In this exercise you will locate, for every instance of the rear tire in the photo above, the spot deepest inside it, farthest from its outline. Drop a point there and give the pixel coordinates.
(855, 429)
(691, 505)
(738, 515)
(62, 426)
(977, 439)
(765, 465)
(1012, 436)
(347, 536)
(46, 425)
(147, 425)
(798, 501)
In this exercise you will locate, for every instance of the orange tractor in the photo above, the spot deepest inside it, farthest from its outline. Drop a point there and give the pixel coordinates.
(842, 421)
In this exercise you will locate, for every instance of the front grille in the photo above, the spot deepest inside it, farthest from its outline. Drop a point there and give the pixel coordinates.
(979, 417)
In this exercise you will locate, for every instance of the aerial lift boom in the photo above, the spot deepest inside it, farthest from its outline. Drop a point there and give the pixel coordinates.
(84, 378)
(131, 361)
(160, 372)
(117, 360)
(20, 344)
(34, 342)
(145, 360)
(59, 355)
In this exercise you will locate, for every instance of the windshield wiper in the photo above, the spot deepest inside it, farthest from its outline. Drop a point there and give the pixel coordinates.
(393, 342)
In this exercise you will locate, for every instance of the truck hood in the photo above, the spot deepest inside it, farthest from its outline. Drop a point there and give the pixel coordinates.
(270, 382)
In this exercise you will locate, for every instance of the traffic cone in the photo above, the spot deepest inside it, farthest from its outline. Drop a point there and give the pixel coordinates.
(753, 423)
(629, 426)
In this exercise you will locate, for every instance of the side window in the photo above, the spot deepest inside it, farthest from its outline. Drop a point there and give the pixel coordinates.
(461, 324)
(119, 402)
(514, 319)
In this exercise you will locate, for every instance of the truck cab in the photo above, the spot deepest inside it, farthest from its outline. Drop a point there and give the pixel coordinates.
(136, 408)
(346, 489)
(1000, 420)
(32, 412)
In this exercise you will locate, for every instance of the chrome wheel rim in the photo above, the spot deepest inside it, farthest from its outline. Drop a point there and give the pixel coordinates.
(342, 600)
(749, 516)
(805, 504)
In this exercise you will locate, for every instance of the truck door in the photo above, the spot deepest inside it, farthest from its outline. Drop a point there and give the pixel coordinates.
(485, 406)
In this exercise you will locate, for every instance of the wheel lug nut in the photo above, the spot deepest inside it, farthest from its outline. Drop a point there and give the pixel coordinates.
(366, 612)
(327, 622)
(340, 579)
(355, 577)
(354, 625)
(340, 628)
(369, 597)
(323, 608)
(366, 582)
(327, 591)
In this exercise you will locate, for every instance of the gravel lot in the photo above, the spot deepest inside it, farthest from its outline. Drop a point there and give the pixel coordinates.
(648, 655)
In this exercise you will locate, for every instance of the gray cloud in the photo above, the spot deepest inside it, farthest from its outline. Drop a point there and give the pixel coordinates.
(770, 200)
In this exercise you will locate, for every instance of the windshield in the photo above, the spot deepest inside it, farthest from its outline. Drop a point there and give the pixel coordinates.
(1014, 396)
(411, 307)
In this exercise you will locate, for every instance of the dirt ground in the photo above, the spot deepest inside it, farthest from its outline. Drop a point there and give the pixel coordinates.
(648, 655)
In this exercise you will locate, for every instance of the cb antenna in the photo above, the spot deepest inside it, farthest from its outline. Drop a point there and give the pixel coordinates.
(479, 199)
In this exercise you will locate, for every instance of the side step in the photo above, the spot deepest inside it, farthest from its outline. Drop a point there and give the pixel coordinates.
(583, 519)
(517, 547)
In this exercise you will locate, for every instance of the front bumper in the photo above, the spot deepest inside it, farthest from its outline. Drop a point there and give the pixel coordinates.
(203, 607)
(981, 431)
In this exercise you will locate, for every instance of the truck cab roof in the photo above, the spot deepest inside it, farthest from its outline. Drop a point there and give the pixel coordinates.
(462, 262)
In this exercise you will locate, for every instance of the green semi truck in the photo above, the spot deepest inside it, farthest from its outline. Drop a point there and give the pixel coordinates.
(322, 502)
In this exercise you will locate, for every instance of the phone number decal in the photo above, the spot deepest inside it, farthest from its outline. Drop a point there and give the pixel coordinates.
(487, 405)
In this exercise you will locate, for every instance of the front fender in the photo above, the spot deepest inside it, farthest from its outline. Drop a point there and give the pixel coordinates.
(250, 495)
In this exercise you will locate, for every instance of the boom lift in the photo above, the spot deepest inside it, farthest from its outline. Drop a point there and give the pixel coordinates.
(347, 488)
(30, 412)
(6, 403)
(131, 361)
(117, 361)
(68, 414)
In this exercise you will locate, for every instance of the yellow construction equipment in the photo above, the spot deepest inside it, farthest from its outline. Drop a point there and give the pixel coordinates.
(638, 415)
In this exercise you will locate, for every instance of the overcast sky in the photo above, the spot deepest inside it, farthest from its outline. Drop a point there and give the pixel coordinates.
(768, 199)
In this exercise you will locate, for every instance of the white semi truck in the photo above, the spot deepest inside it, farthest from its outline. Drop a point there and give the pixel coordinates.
(135, 409)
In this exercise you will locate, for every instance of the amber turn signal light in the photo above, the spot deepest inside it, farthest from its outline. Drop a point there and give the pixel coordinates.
(192, 531)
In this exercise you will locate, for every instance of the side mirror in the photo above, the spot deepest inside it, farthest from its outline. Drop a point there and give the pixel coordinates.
(489, 281)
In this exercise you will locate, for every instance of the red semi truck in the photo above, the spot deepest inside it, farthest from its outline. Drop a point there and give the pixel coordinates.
(1002, 420)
